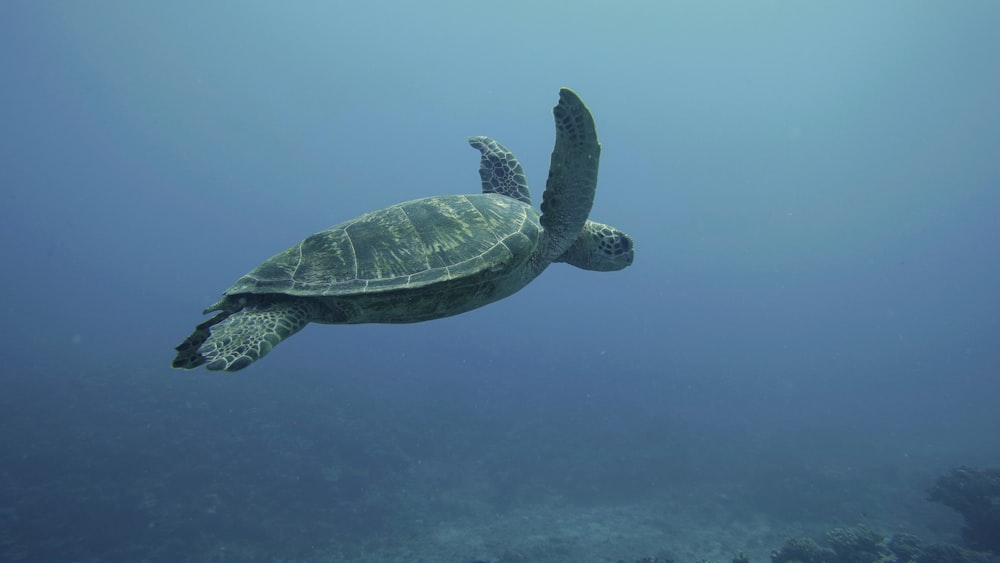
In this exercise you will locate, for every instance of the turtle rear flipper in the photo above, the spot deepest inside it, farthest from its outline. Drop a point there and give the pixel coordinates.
(249, 334)
(188, 356)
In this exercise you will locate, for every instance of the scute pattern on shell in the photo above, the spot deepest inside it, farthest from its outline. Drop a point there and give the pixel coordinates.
(408, 245)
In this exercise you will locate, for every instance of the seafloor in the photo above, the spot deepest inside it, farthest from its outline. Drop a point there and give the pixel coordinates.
(120, 466)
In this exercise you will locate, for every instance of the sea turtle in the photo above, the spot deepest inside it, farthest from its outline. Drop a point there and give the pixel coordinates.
(423, 259)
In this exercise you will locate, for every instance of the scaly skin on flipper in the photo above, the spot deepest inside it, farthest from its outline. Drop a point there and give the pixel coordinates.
(569, 191)
(500, 171)
(598, 247)
(249, 334)
(188, 356)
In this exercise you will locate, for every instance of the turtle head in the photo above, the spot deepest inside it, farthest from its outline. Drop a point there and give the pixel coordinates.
(601, 248)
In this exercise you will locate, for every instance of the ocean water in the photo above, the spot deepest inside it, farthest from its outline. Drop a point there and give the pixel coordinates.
(807, 340)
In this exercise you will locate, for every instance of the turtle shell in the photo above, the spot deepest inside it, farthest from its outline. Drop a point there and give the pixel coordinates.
(408, 246)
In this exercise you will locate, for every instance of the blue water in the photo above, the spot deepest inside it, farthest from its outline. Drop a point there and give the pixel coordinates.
(807, 338)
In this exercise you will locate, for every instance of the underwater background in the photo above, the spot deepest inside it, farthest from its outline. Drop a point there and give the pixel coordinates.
(806, 342)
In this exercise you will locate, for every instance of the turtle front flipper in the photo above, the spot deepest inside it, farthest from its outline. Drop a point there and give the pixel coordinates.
(500, 171)
(243, 337)
(572, 182)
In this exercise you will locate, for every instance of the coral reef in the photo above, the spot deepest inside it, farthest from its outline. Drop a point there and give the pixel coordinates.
(906, 547)
(861, 545)
(975, 494)
(945, 553)
(856, 545)
(802, 550)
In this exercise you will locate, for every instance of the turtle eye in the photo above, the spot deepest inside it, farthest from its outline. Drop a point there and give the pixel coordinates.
(624, 245)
